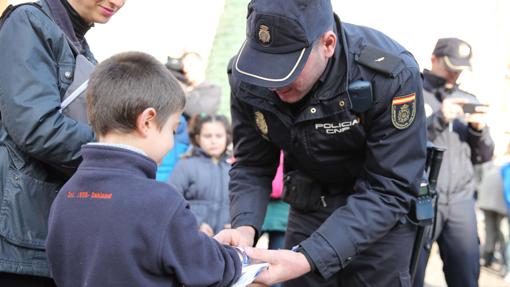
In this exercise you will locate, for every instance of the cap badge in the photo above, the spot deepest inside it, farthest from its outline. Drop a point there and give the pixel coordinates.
(464, 50)
(261, 123)
(264, 34)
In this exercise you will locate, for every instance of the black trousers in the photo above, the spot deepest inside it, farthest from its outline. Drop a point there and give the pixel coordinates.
(457, 238)
(493, 236)
(18, 280)
(385, 263)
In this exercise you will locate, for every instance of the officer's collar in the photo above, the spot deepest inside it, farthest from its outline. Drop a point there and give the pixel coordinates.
(437, 85)
(432, 81)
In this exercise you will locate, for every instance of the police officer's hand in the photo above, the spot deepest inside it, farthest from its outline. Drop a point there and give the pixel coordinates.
(241, 236)
(478, 119)
(284, 265)
(451, 108)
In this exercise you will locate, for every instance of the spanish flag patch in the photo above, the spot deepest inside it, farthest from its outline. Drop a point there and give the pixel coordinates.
(403, 111)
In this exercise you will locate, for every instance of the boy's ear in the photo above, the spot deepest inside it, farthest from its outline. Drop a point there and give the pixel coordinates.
(146, 120)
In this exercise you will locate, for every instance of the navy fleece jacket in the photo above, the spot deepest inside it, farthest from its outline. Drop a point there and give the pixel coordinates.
(113, 224)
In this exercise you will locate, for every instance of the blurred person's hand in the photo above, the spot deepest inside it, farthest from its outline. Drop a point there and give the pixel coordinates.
(451, 108)
(284, 265)
(207, 229)
(478, 119)
(242, 236)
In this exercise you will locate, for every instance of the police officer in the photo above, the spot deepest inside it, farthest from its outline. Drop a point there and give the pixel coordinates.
(468, 141)
(345, 104)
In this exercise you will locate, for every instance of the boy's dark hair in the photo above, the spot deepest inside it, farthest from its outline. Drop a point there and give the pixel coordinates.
(126, 84)
(197, 121)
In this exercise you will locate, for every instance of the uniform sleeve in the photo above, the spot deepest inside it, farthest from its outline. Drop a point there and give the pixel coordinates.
(394, 164)
(482, 145)
(194, 258)
(29, 92)
(436, 125)
(253, 171)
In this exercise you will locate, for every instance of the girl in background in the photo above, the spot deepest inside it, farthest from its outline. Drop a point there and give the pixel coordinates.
(202, 176)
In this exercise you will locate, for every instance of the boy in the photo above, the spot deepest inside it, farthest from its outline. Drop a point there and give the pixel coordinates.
(112, 223)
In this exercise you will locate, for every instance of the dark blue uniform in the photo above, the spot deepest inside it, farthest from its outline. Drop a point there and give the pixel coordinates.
(367, 164)
(456, 228)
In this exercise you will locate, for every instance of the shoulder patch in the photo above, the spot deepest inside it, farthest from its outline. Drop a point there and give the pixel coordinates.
(380, 61)
(403, 111)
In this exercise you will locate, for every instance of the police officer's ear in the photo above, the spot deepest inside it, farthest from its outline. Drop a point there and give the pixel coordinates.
(328, 42)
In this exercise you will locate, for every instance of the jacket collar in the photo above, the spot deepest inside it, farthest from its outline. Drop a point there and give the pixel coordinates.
(110, 157)
(63, 21)
(432, 82)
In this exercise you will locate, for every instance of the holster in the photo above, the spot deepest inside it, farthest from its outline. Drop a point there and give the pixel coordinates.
(301, 191)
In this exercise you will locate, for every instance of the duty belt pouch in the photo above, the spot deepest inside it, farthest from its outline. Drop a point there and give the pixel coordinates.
(74, 103)
(301, 191)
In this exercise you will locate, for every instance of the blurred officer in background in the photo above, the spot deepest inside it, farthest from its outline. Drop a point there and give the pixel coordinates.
(456, 121)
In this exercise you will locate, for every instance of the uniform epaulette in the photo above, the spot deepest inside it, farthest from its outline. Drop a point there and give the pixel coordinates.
(380, 60)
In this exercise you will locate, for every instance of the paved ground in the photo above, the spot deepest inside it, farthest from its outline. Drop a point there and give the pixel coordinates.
(434, 276)
(488, 278)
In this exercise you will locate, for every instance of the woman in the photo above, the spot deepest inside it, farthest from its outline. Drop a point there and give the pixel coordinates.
(39, 146)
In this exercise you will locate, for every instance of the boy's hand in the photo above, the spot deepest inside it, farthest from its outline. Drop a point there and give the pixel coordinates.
(207, 229)
(242, 236)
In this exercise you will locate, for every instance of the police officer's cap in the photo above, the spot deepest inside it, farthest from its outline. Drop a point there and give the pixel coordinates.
(457, 53)
(279, 38)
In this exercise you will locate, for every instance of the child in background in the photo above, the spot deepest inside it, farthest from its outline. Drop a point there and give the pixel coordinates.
(112, 223)
(202, 177)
